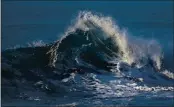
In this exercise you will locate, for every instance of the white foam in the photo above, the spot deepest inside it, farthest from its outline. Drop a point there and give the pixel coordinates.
(130, 49)
(168, 74)
(38, 43)
(146, 88)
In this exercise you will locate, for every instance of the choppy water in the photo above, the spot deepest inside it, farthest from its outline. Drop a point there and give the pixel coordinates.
(95, 62)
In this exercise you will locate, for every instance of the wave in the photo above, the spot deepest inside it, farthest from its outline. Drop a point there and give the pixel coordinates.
(103, 33)
(94, 44)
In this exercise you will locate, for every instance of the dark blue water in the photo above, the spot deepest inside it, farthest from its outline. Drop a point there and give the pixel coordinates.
(24, 22)
(28, 21)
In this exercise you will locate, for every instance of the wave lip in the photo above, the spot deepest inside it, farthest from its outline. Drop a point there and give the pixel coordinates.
(103, 31)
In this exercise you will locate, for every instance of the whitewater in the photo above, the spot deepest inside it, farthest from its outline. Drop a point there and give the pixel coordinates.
(95, 62)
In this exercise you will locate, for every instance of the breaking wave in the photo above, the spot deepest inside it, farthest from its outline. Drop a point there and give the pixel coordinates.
(94, 58)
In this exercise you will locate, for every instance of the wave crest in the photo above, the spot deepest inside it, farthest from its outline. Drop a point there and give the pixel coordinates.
(128, 49)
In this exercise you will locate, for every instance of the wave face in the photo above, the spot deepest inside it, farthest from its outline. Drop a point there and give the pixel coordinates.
(94, 63)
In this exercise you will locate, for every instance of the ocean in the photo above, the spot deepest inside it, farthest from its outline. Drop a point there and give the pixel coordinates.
(88, 53)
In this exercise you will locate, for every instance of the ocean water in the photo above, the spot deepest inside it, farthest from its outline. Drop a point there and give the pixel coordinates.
(87, 53)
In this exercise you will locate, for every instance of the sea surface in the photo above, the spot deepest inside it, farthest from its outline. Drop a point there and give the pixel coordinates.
(98, 53)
